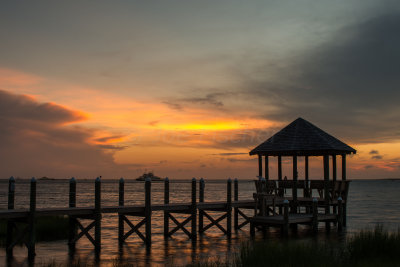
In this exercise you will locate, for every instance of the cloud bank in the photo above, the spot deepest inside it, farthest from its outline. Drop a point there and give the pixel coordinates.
(36, 140)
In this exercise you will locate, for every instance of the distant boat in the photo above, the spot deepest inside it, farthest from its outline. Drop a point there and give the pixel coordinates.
(149, 175)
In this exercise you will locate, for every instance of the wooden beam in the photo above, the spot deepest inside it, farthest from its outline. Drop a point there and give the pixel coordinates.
(279, 168)
(326, 188)
(215, 222)
(294, 189)
(180, 225)
(306, 168)
(259, 165)
(147, 210)
(266, 168)
(166, 201)
(121, 202)
(334, 168)
(97, 217)
(193, 207)
(344, 167)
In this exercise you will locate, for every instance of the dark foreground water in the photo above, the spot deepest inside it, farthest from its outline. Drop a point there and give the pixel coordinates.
(370, 202)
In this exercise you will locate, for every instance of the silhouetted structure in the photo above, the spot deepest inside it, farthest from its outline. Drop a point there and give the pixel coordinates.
(301, 138)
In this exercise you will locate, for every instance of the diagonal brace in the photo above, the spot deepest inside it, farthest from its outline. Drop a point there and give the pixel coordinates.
(215, 222)
(180, 225)
(134, 228)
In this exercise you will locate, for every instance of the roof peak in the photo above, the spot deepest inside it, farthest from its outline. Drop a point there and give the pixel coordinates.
(301, 137)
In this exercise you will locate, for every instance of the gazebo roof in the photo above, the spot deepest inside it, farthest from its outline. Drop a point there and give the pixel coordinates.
(302, 138)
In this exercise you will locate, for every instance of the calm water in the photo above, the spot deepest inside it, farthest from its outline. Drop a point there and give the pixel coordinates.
(370, 202)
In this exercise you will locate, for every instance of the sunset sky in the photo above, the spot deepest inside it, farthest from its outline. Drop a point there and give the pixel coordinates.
(188, 88)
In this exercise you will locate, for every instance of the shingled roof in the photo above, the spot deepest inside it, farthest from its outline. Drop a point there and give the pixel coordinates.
(302, 138)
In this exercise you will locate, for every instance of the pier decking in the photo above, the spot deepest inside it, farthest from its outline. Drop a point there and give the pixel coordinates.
(195, 213)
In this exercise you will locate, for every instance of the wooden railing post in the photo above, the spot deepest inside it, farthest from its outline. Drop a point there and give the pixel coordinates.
(31, 220)
(10, 224)
(194, 210)
(286, 217)
(340, 214)
(236, 209)
(147, 210)
(166, 201)
(97, 216)
(201, 200)
(315, 215)
(121, 202)
(229, 208)
(71, 220)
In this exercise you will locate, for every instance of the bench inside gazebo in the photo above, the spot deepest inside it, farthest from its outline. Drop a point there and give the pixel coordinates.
(301, 139)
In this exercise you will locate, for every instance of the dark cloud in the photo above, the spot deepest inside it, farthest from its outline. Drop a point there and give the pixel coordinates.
(373, 152)
(173, 105)
(25, 108)
(209, 99)
(112, 147)
(377, 157)
(241, 160)
(200, 97)
(35, 141)
(348, 85)
(229, 154)
(108, 138)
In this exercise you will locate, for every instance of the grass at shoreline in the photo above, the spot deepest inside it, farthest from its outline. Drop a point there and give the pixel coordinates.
(47, 229)
(374, 247)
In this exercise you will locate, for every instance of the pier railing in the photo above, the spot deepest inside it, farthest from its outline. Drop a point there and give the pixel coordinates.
(198, 214)
(194, 211)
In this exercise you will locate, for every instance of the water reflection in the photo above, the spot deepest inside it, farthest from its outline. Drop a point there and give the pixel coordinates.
(369, 202)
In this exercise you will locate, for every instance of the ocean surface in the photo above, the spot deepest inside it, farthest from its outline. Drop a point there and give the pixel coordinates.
(370, 202)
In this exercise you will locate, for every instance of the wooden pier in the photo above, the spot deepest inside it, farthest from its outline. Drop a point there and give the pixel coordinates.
(196, 211)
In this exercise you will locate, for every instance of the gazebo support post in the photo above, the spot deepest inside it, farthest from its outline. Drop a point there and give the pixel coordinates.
(306, 177)
(344, 179)
(280, 168)
(326, 188)
(266, 168)
(294, 189)
(334, 176)
(280, 175)
(344, 167)
(259, 165)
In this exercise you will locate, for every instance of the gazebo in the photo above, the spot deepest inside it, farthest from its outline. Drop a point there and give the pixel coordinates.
(302, 139)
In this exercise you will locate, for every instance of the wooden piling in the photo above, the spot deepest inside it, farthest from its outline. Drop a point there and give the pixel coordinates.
(260, 165)
(121, 203)
(236, 209)
(10, 224)
(194, 210)
(97, 216)
(71, 220)
(326, 189)
(31, 220)
(334, 176)
(340, 214)
(201, 200)
(166, 201)
(280, 168)
(147, 210)
(344, 177)
(315, 215)
(285, 217)
(229, 208)
(294, 188)
(266, 168)
(307, 179)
